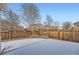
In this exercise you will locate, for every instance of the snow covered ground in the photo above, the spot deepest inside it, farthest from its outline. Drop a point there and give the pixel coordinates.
(41, 46)
(16, 44)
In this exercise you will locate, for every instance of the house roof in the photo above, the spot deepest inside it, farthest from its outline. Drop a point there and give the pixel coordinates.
(76, 23)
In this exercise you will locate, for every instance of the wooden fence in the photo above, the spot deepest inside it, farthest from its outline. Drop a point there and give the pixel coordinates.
(61, 35)
(18, 34)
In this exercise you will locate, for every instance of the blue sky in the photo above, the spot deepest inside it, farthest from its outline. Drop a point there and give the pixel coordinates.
(59, 12)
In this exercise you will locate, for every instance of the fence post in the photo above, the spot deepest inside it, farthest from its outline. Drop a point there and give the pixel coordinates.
(58, 34)
(0, 43)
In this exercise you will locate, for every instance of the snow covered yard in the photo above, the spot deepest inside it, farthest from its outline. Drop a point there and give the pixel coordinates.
(43, 46)
(16, 44)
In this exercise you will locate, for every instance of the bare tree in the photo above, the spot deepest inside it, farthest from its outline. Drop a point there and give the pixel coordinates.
(3, 7)
(13, 19)
(57, 25)
(31, 12)
(49, 20)
(3, 10)
(66, 25)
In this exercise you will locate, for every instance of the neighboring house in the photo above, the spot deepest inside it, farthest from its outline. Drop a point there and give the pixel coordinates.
(76, 26)
(37, 27)
(18, 27)
(5, 26)
(46, 27)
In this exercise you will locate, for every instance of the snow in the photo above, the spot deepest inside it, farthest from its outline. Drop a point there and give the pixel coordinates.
(43, 46)
(15, 44)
